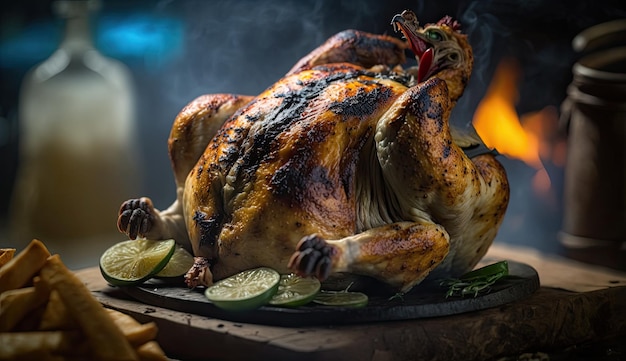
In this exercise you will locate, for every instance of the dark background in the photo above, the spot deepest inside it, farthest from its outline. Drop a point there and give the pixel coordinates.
(178, 50)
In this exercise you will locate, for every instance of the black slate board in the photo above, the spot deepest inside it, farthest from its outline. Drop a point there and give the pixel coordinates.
(422, 302)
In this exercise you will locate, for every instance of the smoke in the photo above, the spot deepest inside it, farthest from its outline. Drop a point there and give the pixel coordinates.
(485, 32)
(245, 46)
(538, 35)
(239, 47)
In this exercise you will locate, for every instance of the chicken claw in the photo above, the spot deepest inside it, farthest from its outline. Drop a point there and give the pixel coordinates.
(136, 217)
(313, 257)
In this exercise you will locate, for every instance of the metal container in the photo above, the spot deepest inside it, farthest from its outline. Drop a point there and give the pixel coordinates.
(594, 222)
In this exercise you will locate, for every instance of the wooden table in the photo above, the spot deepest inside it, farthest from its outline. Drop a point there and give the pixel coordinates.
(576, 304)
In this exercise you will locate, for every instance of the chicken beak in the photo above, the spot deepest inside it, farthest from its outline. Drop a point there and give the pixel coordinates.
(407, 23)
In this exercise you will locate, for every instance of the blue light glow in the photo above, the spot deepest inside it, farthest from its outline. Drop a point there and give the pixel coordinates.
(136, 39)
(140, 37)
(32, 45)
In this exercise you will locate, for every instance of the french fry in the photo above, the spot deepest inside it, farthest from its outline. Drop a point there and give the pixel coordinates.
(135, 332)
(56, 315)
(47, 313)
(106, 339)
(19, 271)
(6, 254)
(30, 320)
(39, 355)
(19, 345)
(16, 304)
(151, 351)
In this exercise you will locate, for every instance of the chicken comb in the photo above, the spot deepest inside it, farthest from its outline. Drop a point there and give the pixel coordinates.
(450, 22)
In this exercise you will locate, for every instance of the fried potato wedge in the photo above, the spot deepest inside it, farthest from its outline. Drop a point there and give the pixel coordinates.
(135, 332)
(16, 304)
(19, 271)
(151, 351)
(21, 345)
(6, 254)
(106, 339)
(56, 316)
(47, 313)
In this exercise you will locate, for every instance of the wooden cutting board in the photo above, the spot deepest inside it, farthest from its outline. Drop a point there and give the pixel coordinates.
(576, 305)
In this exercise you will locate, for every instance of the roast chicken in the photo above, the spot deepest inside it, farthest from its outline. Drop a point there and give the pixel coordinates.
(346, 165)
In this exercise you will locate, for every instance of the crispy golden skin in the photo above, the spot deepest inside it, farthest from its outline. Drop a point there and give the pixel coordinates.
(344, 165)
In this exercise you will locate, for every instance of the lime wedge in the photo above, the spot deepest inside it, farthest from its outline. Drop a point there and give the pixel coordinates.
(133, 262)
(178, 265)
(294, 291)
(246, 290)
(341, 299)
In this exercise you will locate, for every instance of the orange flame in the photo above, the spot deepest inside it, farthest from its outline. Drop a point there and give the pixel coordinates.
(531, 138)
(497, 122)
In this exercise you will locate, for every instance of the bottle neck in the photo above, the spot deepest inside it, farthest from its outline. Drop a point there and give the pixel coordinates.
(77, 35)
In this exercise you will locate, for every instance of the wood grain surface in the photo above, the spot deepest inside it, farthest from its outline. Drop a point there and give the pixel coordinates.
(551, 318)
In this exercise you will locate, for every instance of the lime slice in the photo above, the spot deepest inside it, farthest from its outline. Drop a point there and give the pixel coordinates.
(178, 265)
(294, 291)
(341, 299)
(133, 262)
(246, 290)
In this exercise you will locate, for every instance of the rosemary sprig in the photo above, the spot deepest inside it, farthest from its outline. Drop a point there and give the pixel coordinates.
(397, 296)
(476, 281)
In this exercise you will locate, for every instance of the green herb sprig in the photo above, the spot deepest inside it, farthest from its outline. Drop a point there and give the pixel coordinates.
(477, 281)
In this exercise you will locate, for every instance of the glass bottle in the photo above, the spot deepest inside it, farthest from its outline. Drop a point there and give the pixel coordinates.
(77, 160)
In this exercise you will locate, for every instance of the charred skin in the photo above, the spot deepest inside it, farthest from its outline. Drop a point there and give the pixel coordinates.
(341, 166)
(194, 126)
(467, 197)
(355, 47)
(292, 169)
